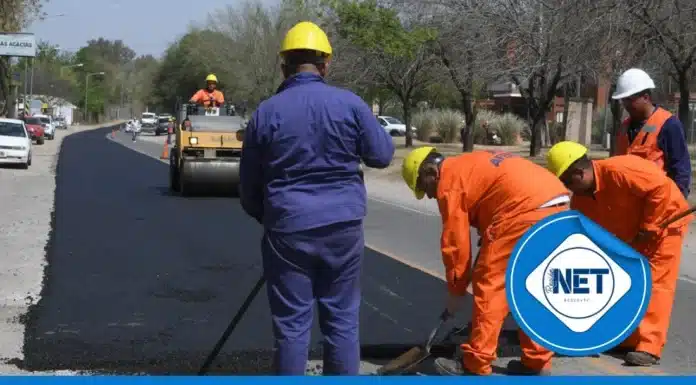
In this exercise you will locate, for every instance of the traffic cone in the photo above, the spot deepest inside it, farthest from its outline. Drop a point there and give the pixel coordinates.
(165, 151)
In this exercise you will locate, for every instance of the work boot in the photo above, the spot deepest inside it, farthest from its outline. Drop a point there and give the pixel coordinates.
(451, 367)
(641, 359)
(517, 368)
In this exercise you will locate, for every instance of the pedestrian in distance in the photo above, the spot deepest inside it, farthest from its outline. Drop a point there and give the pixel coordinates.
(650, 131)
(631, 197)
(300, 178)
(502, 196)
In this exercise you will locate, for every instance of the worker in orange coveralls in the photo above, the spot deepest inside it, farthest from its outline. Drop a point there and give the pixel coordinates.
(502, 196)
(210, 96)
(631, 197)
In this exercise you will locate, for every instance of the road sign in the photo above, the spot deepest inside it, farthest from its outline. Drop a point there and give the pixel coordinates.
(17, 44)
(575, 288)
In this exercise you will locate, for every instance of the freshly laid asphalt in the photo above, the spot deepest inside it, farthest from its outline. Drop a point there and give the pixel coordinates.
(142, 281)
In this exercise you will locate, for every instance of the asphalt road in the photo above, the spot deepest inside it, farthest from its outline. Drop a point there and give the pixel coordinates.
(139, 280)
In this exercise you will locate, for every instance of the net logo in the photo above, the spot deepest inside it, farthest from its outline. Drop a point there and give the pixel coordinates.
(578, 283)
(574, 288)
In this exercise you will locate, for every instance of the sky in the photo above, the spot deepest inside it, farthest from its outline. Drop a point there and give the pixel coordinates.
(147, 26)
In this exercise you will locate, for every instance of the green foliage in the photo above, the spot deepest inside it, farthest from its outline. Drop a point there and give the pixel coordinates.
(378, 29)
(508, 127)
(440, 125)
(112, 57)
(185, 66)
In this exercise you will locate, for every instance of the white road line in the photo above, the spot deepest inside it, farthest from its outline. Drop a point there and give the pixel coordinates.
(397, 205)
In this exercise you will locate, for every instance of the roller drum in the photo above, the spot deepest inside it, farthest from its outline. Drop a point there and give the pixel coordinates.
(214, 174)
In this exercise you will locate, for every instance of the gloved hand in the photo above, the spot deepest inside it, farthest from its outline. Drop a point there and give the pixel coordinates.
(644, 236)
(454, 304)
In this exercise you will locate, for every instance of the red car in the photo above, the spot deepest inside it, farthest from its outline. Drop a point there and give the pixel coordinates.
(35, 128)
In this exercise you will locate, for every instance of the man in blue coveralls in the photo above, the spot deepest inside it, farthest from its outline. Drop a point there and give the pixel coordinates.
(300, 178)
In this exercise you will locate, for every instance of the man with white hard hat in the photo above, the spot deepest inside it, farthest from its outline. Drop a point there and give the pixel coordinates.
(650, 131)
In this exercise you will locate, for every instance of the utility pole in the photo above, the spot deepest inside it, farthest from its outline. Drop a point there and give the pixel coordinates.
(31, 85)
(87, 88)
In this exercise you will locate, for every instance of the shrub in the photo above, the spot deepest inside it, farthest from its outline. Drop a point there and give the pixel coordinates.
(449, 124)
(598, 125)
(424, 124)
(442, 125)
(509, 127)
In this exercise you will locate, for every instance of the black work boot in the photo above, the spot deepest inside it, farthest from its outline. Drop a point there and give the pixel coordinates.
(641, 359)
(451, 367)
(517, 368)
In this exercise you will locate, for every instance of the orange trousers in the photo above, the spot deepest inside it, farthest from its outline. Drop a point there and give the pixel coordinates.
(490, 302)
(664, 258)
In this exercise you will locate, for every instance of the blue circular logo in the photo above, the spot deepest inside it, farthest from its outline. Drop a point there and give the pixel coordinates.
(575, 288)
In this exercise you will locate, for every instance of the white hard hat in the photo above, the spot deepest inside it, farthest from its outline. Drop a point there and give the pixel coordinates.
(632, 82)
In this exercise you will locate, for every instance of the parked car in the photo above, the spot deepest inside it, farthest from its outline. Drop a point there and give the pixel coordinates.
(162, 125)
(35, 128)
(60, 123)
(393, 125)
(49, 127)
(15, 143)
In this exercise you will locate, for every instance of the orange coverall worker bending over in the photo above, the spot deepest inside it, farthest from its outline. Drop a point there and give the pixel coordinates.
(210, 96)
(631, 197)
(502, 196)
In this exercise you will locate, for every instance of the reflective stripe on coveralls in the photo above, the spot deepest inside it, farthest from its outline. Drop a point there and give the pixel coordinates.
(322, 263)
(500, 195)
(633, 194)
(203, 96)
(645, 143)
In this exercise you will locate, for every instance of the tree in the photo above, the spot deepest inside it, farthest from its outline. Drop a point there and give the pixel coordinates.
(256, 32)
(669, 26)
(110, 57)
(15, 15)
(542, 44)
(464, 51)
(186, 64)
(48, 79)
(622, 46)
(397, 55)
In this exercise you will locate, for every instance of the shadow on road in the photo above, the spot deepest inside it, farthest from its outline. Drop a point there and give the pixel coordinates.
(141, 281)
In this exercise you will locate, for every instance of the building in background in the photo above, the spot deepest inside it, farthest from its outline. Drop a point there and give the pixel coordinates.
(50, 105)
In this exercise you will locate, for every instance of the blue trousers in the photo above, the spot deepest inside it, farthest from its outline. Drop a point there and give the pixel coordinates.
(320, 265)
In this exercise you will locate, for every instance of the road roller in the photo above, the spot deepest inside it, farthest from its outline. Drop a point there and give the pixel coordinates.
(207, 150)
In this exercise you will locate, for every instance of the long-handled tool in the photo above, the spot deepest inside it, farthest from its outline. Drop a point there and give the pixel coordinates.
(669, 221)
(677, 217)
(415, 355)
(237, 317)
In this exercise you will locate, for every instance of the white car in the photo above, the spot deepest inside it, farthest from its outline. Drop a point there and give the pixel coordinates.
(148, 121)
(15, 143)
(48, 125)
(393, 125)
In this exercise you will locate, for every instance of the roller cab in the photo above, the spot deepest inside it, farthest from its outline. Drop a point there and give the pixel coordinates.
(207, 151)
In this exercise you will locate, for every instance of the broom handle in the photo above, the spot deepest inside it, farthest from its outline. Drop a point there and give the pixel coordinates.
(677, 217)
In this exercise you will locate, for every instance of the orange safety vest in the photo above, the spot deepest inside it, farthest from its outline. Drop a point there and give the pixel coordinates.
(645, 143)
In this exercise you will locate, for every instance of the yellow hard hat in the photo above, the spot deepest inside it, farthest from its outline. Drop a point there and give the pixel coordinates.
(306, 35)
(562, 155)
(211, 78)
(410, 167)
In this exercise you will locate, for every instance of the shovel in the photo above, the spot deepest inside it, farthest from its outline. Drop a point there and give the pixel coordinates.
(415, 355)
